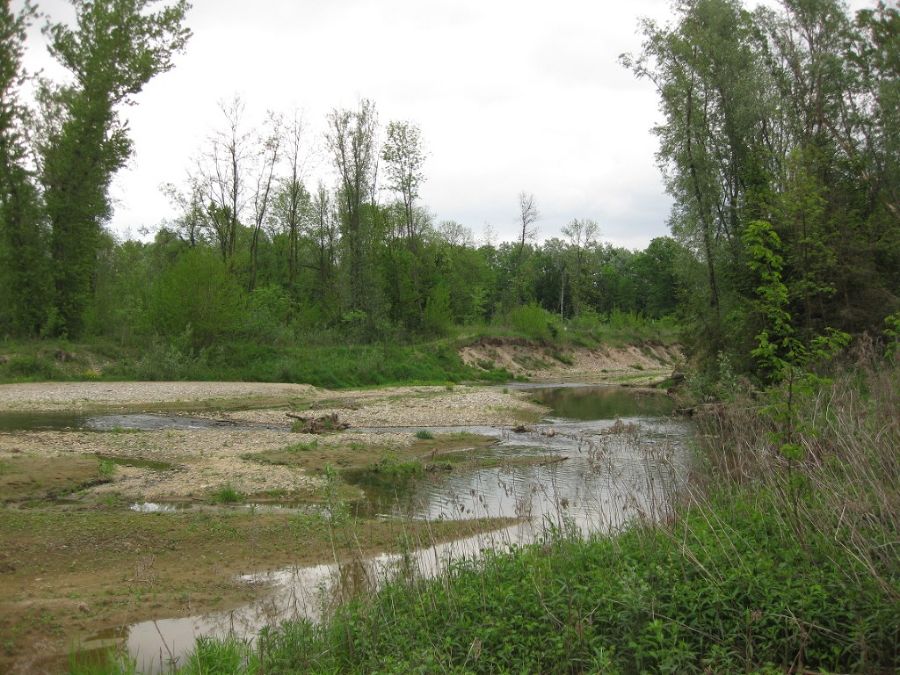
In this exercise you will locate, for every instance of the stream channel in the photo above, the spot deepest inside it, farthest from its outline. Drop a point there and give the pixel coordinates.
(608, 455)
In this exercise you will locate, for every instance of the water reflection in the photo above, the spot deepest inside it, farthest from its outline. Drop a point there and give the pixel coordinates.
(571, 472)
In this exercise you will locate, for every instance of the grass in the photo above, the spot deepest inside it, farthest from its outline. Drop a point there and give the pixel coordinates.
(333, 366)
(647, 601)
(227, 495)
(25, 478)
(344, 453)
(107, 468)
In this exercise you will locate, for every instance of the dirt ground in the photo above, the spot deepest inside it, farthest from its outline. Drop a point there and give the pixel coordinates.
(631, 363)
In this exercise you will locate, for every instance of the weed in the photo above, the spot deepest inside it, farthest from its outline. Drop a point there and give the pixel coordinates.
(107, 468)
(563, 358)
(424, 435)
(227, 495)
(302, 447)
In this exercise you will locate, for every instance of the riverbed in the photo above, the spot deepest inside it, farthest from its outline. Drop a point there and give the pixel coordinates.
(146, 556)
(609, 455)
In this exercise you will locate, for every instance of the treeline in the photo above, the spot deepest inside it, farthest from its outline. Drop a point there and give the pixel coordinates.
(780, 146)
(176, 289)
(256, 249)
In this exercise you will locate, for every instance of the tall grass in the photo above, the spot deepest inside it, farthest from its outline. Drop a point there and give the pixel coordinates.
(841, 492)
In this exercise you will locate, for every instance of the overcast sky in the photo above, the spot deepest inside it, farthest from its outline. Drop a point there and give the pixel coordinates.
(510, 95)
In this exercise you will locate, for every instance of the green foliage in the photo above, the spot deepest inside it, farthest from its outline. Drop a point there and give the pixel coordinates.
(24, 287)
(646, 601)
(29, 367)
(438, 316)
(533, 322)
(227, 495)
(424, 434)
(221, 657)
(115, 49)
(107, 468)
(775, 340)
(197, 298)
(729, 81)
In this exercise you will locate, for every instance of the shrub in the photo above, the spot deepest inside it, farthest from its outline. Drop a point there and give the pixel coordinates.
(227, 495)
(199, 293)
(534, 322)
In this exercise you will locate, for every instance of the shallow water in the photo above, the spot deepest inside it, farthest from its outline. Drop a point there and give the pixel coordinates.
(11, 422)
(605, 456)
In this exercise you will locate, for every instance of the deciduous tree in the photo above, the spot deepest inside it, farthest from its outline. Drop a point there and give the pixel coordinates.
(112, 51)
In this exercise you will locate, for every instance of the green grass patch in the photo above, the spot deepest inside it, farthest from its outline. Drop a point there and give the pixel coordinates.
(227, 495)
(107, 468)
(724, 590)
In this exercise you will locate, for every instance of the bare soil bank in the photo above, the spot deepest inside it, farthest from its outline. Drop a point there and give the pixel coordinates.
(631, 363)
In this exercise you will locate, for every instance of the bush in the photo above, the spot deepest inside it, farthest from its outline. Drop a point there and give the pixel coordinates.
(198, 294)
(29, 367)
(533, 322)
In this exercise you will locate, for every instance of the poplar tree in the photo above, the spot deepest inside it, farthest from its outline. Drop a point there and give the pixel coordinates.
(23, 268)
(112, 51)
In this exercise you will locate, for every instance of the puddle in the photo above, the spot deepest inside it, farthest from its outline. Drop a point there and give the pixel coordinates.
(32, 421)
(308, 592)
(152, 507)
(178, 507)
(611, 454)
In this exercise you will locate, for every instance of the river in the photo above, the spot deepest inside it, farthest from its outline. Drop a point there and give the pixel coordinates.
(604, 456)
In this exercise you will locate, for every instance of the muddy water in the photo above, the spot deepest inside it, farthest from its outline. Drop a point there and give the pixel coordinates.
(606, 455)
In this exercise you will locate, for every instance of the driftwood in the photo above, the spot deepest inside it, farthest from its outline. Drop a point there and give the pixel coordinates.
(317, 425)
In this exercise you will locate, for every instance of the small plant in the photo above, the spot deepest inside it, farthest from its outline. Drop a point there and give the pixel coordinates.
(563, 358)
(227, 495)
(302, 447)
(107, 468)
(424, 435)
